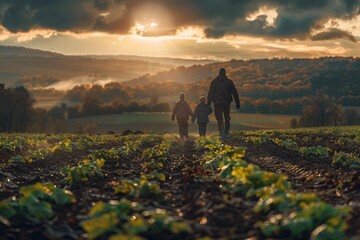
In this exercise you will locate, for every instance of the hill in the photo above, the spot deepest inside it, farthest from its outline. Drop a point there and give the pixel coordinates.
(273, 79)
(276, 86)
(36, 68)
(26, 52)
(24, 66)
(163, 60)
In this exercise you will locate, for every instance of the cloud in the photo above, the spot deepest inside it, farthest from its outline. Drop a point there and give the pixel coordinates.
(291, 19)
(333, 33)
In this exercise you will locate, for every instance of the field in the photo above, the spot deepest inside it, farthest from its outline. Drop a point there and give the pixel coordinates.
(278, 184)
(162, 122)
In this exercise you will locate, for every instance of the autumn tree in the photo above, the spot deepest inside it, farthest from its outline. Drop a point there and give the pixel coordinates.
(351, 116)
(321, 111)
(16, 106)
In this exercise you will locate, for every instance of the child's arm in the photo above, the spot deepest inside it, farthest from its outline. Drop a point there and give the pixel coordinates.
(193, 117)
(189, 109)
(210, 110)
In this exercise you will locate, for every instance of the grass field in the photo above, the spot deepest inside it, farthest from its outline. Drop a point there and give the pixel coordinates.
(162, 122)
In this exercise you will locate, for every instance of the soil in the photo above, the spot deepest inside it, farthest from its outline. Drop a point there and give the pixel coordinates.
(189, 191)
(335, 185)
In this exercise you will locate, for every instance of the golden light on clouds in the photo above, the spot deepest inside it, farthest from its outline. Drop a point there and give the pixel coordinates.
(191, 32)
(159, 29)
(349, 25)
(270, 13)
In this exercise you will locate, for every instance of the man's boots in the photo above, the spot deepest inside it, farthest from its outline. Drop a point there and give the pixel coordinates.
(221, 129)
(227, 127)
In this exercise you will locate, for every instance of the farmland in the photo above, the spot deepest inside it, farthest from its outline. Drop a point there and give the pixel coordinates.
(292, 184)
(162, 122)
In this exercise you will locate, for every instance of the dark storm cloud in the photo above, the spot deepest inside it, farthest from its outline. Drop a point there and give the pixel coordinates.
(296, 18)
(333, 34)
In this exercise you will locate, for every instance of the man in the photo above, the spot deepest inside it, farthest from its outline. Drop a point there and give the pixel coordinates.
(222, 91)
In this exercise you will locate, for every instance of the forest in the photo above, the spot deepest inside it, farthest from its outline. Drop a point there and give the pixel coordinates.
(276, 86)
(268, 86)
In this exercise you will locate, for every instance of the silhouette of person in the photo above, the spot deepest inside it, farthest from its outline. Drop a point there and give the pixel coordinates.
(182, 112)
(201, 113)
(222, 91)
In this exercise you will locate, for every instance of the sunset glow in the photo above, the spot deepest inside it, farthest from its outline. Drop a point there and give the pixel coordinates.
(168, 29)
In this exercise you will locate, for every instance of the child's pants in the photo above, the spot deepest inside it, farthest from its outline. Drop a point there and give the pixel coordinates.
(183, 128)
(202, 129)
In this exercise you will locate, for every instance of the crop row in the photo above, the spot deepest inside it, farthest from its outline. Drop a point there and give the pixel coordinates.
(289, 214)
(338, 158)
(116, 219)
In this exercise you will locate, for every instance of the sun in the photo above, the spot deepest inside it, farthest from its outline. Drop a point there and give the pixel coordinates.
(141, 28)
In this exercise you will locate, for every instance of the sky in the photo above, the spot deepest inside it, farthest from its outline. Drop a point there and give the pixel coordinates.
(195, 29)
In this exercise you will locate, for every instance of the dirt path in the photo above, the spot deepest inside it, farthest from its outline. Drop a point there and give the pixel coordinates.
(199, 199)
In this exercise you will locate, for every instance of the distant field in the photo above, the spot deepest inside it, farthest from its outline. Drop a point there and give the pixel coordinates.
(162, 122)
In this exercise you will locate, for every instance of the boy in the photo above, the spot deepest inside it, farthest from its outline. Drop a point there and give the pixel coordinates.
(202, 112)
(182, 111)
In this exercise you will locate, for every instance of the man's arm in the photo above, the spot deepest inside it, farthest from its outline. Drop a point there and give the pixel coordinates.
(174, 112)
(211, 93)
(235, 94)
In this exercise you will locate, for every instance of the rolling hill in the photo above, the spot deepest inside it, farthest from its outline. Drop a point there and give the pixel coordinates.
(19, 65)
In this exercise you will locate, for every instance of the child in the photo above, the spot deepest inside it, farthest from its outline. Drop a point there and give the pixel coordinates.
(202, 112)
(182, 111)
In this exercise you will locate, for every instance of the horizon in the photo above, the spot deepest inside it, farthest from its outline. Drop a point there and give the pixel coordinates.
(189, 59)
(190, 30)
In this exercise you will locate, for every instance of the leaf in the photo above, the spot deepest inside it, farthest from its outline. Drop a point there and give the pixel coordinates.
(40, 210)
(325, 232)
(136, 225)
(125, 237)
(178, 227)
(6, 210)
(97, 208)
(62, 197)
(37, 190)
(161, 177)
(97, 226)
(270, 229)
(299, 226)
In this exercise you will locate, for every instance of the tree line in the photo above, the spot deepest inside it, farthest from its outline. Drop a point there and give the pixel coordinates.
(19, 115)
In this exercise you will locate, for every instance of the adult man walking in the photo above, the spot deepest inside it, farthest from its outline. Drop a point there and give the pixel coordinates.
(222, 91)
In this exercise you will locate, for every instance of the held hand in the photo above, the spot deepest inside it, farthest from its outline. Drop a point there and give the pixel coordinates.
(238, 106)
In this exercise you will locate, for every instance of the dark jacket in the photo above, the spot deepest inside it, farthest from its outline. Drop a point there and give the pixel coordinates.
(201, 113)
(222, 90)
(182, 111)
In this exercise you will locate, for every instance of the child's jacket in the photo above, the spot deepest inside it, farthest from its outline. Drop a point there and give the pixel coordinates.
(201, 113)
(182, 111)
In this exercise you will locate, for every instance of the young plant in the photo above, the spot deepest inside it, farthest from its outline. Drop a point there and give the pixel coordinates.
(289, 144)
(290, 214)
(127, 220)
(107, 154)
(142, 189)
(346, 160)
(36, 202)
(316, 151)
(85, 170)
